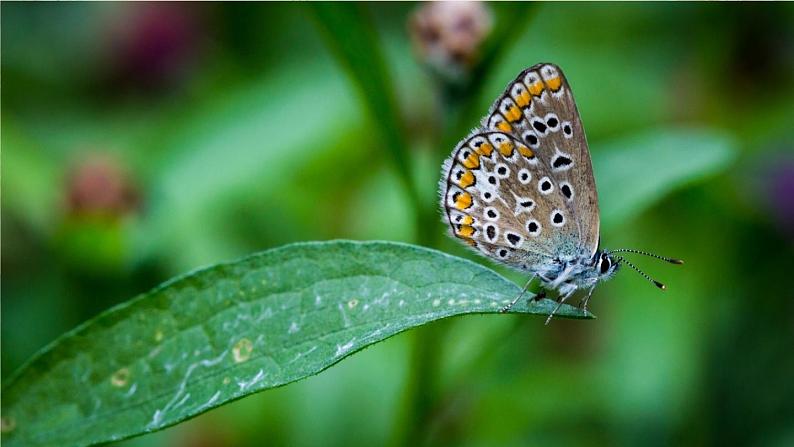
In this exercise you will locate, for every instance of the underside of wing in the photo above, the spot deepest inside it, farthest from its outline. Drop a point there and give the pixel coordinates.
(491, 192)
(520, 189)
(538, 109)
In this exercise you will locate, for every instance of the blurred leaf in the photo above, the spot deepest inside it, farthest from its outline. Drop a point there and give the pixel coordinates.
(349, 32)
(230, 330)
(33, 186)
(635, 172)
(255, 138)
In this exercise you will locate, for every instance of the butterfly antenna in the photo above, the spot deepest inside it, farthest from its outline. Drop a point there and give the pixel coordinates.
(644, 275)
(645, 253)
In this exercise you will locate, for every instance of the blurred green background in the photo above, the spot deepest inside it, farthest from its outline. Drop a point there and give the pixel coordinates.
(140, 141)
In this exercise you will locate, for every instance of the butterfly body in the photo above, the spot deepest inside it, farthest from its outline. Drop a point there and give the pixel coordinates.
(520, 188)
(568, 276)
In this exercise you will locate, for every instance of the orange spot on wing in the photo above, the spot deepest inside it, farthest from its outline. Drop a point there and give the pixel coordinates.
(466, 180)
(526, 152)
(466, 231)
(506, 149)
(463, 201)
(536, 88)
(484, 149)
(514, 114)
(504, 127)
(467, 220)
(472, 161)
(554, 83)
(523, 99)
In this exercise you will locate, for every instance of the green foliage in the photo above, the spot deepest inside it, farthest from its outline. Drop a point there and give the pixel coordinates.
(230, 330)
(635, 172)
(355, 43)
(260, 136)
(230, 144)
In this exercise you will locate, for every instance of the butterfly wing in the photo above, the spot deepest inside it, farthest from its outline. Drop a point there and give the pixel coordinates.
(484, 195)
(520, 189)
(538, 108)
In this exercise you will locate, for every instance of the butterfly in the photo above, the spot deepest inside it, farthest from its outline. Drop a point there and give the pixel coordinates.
(520, 190)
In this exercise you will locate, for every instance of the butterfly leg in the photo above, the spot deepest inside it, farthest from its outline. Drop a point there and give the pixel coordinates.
(515, 300)
(587, 298)
(562, 300)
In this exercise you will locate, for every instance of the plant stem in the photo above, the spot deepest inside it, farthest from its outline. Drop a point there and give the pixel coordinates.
(349, 32)
(460, 106)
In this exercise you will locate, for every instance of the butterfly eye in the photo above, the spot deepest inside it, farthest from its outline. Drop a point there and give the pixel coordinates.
(604, 264)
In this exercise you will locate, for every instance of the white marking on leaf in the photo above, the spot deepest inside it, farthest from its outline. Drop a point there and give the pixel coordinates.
(254, 380)
(157, 418)
(212, 400)
(182, 401)
(345, 319)
(132, 390)
(301, 354)
(341, 349)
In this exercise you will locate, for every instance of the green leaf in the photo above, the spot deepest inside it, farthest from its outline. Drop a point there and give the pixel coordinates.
(634, 173)
(233, 329)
